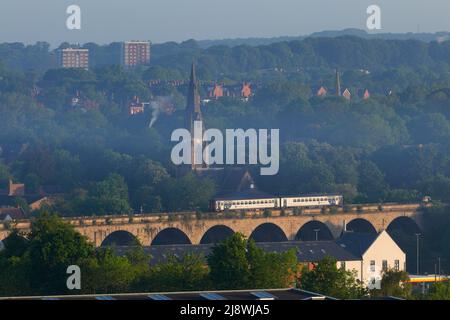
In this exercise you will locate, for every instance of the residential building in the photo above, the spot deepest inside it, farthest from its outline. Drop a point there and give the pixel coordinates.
(347, 95)
(135, 53)
(321, 92)
(377, 252)
(243, 91)
(246, 91)
(136, 107)
(16, 189)
(73, 58)
(10, 214)
(216, 92)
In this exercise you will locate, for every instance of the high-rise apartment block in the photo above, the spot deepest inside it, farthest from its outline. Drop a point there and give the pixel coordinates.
(135, 53)
(74, 58)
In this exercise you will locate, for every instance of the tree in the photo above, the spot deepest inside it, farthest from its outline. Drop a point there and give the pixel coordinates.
(187, 193)
(240, 264)
(439, 291)
(188, 273)
(394, 284)
(4, 174)
(230, 268)
(54, 245)
(326, 278)
(270, 269)
(38, 266)
(106, 272)
(109, 196)
(371, 182)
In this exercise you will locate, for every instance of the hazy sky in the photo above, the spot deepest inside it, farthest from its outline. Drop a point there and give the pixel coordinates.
(166, 20)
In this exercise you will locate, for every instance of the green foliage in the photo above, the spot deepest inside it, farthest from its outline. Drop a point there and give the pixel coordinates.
(229, 264)
(4, 175)
(394, 284)
(188, 192)
(330, 280)
(188, 273)
(270, 269)
(40, 263)
(108, 273)
(439, 291)
(239, 264)
(37, 266)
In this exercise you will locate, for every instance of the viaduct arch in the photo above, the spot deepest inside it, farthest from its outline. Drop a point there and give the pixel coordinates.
(186, 228)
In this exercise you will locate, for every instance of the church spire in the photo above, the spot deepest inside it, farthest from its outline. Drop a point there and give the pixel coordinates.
(338, 83)
(194, 113)
(193, 107)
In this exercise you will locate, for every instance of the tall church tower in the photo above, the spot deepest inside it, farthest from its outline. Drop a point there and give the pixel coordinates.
(338, 83)
(194, 113)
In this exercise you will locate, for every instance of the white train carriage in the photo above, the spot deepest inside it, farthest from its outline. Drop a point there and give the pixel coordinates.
(246, 203)
(319, 200)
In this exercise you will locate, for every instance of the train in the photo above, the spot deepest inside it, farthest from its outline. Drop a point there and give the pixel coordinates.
(269, 202)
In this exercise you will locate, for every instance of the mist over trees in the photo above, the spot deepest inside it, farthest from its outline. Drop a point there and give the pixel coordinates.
(391, 147)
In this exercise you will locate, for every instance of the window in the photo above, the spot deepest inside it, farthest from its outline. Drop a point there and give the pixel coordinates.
(372, 266)
(343, 265)
(385, 265)
(397, 265)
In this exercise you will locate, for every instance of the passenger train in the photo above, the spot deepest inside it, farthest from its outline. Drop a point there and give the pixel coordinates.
(303, 201)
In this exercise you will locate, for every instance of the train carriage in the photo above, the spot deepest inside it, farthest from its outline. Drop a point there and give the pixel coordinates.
(312, 201)
(250, 200)
(256, 200)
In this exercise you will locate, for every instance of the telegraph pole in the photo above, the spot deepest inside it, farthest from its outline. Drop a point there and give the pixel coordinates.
(417, 236)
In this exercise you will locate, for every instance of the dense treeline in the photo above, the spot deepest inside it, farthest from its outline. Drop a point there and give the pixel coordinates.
(347, 52)
(391, 147)
(37, 265)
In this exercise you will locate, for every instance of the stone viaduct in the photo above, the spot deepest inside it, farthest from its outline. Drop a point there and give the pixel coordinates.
(192, 228)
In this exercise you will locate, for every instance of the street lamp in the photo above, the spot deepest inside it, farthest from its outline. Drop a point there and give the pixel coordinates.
(317, 234)
(417, 236)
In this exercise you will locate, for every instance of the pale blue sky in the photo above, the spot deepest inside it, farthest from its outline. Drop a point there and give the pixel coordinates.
(105, 21)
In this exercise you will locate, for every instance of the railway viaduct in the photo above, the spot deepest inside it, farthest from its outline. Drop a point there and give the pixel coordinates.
(192, 228)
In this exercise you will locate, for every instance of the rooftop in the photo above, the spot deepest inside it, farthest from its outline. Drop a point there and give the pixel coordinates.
(356, 243)
(307, 251)
(249, 295)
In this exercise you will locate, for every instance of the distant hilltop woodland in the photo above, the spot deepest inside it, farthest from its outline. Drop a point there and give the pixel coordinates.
(427, 37)
(350, 48)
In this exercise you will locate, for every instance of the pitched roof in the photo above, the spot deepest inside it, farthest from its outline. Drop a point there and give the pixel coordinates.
(10, 201)
(356, 243)
(313, 251)
(236, 179)
(11, 213)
